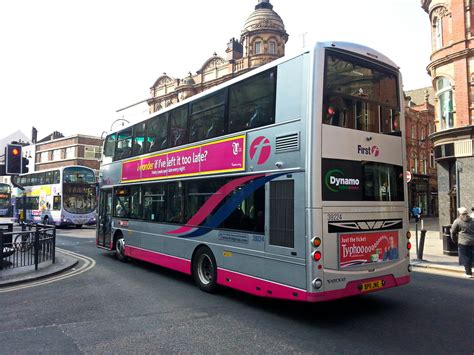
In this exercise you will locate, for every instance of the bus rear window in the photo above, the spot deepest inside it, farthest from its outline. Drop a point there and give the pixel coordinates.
(360, 95)
(347, 180)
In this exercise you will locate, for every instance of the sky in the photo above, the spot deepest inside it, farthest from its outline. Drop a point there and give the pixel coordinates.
(69, 65)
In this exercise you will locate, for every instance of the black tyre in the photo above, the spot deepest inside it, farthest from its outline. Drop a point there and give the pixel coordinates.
(120, 249)
(205, 270)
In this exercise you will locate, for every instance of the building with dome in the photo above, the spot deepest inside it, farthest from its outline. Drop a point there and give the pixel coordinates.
(261, 41)
(451, 69)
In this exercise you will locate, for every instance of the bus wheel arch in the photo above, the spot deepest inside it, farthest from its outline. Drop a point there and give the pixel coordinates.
(204, 269)
(119, 247)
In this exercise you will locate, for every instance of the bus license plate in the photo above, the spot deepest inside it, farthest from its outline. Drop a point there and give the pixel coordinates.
(372, 285)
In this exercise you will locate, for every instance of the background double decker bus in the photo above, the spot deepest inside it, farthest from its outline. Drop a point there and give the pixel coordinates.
(5, 200)
(64, 196)
(285, 182)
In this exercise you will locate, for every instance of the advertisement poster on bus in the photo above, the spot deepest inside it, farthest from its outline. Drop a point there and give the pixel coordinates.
(365, 248)
(225, 155)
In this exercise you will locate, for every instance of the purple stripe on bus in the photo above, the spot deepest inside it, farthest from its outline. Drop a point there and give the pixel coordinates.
(212, 203)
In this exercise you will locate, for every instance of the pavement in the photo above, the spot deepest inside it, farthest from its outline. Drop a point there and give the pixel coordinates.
(433, 257)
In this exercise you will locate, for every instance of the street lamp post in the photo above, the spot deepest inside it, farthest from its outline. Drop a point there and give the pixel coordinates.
(123, 120)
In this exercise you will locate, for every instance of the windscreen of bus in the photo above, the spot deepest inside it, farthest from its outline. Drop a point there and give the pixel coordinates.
(79, 190)
(4, 200)
(360, 95)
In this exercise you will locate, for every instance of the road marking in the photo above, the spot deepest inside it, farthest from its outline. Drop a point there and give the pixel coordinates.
(88, 263)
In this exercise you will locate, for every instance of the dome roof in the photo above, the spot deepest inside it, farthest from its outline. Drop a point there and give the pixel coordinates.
(263, 18)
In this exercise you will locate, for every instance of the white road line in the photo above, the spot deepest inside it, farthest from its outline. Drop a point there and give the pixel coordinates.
(88, 263)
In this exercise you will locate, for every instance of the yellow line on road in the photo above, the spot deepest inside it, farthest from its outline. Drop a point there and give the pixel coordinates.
(88, 263)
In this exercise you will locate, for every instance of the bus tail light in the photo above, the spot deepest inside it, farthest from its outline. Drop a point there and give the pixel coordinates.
(317, 255)
(316, 241)
(317, 283)
(409, 246)
(408, 235)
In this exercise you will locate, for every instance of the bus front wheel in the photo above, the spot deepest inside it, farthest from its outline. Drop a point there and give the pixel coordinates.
(205, 270)
(120, 249)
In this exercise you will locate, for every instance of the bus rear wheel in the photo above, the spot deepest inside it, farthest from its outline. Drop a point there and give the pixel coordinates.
(120, 249)
(205, 270)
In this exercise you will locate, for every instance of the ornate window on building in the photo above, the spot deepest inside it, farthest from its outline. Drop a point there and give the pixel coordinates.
(444, 95)
(258, 47)
(423, 166)
(272, 47)
(432, 159)
(413, 131)
(438, 33)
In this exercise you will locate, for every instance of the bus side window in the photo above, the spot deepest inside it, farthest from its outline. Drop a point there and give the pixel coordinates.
(139, 141)
(178, 123)
(157, 132)
(109, 146)
(252, 102)
(124, 144)
(57, 203)
(207, 117)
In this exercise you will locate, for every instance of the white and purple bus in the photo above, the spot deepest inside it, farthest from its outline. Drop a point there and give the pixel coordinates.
(65, 196)
(285, 182)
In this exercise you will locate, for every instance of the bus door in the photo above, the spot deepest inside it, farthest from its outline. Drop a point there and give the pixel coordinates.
(104, 220)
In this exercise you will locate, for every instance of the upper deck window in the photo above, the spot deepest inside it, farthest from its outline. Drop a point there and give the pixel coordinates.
(360, 95)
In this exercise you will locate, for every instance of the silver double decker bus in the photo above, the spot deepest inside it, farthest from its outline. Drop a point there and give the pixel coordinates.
(285, 182)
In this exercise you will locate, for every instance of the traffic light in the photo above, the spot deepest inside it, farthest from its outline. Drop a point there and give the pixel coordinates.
(24, 165)
(13, 159)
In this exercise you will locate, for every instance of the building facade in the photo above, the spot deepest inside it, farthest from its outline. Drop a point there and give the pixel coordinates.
(419, 124)
(262, 40)
(73, 150)
(451, 69)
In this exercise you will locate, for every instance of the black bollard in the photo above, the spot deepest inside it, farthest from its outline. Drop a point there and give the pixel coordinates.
(422, 244)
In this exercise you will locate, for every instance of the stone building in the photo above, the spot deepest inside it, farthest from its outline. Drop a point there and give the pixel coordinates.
(261, 41)
(452, 73)
(419, 124)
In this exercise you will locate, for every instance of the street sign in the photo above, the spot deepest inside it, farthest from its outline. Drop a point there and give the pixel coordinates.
(408, 176)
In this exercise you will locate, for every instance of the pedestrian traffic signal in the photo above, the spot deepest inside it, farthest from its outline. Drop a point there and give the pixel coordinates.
(13, 159)
(24, 165)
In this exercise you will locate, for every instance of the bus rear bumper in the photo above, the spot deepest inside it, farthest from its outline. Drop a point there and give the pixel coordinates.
(354, 288)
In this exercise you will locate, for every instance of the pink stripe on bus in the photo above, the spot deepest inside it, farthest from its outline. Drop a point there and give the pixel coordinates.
(260, 287)
(211, 203)
(265, 288)
(168, 261)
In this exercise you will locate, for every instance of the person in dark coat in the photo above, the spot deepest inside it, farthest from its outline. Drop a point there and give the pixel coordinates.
(462, 232)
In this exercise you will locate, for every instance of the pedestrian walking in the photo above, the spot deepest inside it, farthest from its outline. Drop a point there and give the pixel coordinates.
(462, 232)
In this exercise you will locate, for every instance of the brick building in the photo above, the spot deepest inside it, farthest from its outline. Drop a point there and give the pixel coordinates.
(452, 73)
(55, 151)
(262, 40)
(419, 124)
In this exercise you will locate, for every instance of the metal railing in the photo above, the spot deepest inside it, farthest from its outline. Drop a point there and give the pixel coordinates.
(33, 245)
